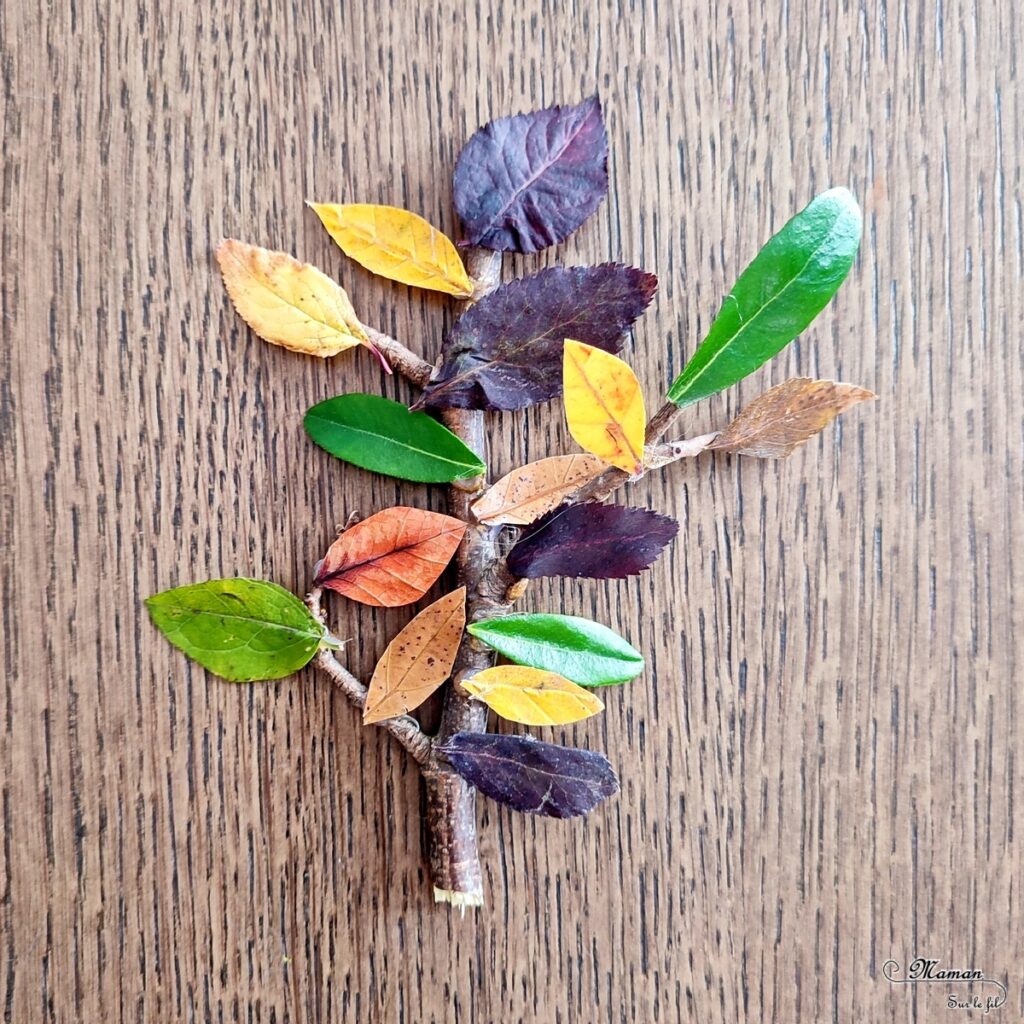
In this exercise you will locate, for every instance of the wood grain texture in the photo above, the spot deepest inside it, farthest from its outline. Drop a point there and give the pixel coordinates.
(822, 768)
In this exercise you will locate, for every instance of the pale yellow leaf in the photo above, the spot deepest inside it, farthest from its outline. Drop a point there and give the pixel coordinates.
(604, 405)
(289, 303)
(532, 696)
(787, 415)
(524, 495)
(396, 244)
(418, 660)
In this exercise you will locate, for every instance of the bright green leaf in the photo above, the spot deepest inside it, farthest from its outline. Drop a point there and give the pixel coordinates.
(585, 652)
(240, 629)
(788, 284)
(385, 437)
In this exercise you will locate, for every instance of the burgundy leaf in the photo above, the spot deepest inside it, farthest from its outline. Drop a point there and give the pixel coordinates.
(506, 351)
(530, 776)
(602, 542)
(526, 182)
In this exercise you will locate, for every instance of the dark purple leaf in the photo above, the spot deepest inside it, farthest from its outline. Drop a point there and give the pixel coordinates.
(526, 182)
(530, 776)
(602, 542)
(506, 351)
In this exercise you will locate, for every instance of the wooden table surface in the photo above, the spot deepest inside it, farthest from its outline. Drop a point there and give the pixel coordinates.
(822, 767)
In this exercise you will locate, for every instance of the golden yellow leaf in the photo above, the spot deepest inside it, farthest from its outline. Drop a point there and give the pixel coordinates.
(396, 244)
(418, 660)
(532, 696)
(289, 303)
(524, 495)
(604, 405)
(787, 415)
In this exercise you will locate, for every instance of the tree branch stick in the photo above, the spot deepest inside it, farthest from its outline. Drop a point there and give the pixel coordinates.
(405, 728)
(451, 802)
(407, 363)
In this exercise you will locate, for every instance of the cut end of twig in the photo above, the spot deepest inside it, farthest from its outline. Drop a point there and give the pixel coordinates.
(462, 900)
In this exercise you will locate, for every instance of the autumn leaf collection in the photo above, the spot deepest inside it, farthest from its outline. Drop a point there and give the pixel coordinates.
(521, 184)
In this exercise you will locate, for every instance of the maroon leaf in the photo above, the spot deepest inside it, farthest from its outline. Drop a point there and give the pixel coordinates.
(602, 542)
(530, 776)
(506, 351)
(526, 182)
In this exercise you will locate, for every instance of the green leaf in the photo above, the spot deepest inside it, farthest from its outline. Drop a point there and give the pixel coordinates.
(788, 284)
(385, 437)
(585, 652)
(240, 629)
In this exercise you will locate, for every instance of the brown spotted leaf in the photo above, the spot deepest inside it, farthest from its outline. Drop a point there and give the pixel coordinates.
(524, 495)
(418, 660)
(786, 416)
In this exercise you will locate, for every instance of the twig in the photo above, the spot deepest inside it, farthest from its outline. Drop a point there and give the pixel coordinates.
(407, 363)
(405, 728)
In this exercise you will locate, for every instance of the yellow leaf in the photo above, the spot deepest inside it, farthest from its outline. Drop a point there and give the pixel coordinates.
(604, 405)
(524, 495)
(398, 245)
(418, 660)
(289, 303)
(532, 696)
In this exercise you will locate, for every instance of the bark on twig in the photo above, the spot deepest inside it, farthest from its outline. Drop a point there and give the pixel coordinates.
(407, 363)
(405, 728)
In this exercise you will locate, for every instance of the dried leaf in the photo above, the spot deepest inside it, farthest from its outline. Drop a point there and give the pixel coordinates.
(532, 696)
(530, 776)
(384, 437)
(392, 558)
(418, 660)
(526, 182)
(527, 493)
(506, 351)
(289, 303)
(786, 416)
(396, 244)
(604, 406)
(240, 629)
(597, 541)
(585, 652)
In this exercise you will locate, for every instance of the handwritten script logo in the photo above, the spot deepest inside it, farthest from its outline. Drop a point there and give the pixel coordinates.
(922, 970)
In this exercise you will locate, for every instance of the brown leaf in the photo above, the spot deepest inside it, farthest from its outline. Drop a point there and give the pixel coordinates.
(418, 660)
(392, 558)
(527, 493)
(786, 416)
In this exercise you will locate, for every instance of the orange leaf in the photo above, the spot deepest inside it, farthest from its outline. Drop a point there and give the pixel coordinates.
(418, 660)
(289, 303)
(527, 493)
(392, 558)
(604, 405)
(786, 416)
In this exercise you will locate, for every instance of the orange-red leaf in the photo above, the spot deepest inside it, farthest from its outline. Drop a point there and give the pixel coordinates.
(418, 660)
(786, 416)
(392, 558)
(524, 495)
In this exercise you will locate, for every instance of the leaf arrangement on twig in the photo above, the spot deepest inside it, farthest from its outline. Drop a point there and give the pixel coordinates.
(522, 183)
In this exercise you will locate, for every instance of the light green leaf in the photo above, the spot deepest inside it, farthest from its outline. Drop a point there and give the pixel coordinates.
(385, 437)
(585, 652)
(240, 629)
(787, 285)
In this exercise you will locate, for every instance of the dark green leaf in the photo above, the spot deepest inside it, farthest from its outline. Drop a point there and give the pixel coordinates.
(240, 629)
(385, 437)
(788, 284)
(585, 652)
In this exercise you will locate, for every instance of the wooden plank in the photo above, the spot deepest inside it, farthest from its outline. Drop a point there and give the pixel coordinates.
(821, 769)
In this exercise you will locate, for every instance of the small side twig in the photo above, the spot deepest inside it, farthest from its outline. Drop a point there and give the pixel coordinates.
(405, 728)
(406, 362)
